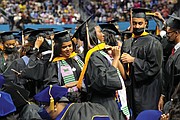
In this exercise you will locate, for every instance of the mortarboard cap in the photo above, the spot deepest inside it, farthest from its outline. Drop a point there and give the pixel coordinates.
(62, 36)
(81, 31)
(126, 35)
(33, 35)
(47, 31)
(24, 32)
(57, 92)
(173, 22)
(5, 36)
(149, 115)
(111, 28)
(140, 12)
(6, 104)
(80, 21)
(2, 80)
(112, 21)
(126, 32)
(19, 95)
(67, 28)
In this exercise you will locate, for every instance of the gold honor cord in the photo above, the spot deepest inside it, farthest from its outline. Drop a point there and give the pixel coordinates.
(88, 55)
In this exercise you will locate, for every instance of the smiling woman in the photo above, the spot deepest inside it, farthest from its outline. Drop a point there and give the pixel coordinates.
(66, 65)
(66, 49)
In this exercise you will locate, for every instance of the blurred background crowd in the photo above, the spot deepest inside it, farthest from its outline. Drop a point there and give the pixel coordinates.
(66, 11)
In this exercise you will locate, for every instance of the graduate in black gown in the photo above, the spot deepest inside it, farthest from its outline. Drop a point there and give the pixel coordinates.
(56, 106)
(145, 62)
(66, 66)
(172, 67)
(28, 71)
(102, 78)
(9, 52)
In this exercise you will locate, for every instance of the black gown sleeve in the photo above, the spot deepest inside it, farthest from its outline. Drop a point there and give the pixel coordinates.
(36, 67)
(51, 75)
(8, 74)
(148, 68)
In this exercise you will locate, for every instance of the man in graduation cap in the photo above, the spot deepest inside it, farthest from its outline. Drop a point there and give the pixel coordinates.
(28, 71)
(57, 107)
(9, 52)
(145, 62)
(172, 67)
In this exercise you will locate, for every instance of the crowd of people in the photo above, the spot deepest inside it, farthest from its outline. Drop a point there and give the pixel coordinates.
(66, 11)
(96, 73)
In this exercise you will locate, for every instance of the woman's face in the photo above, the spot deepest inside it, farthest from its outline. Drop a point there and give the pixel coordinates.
(99, 34)
(66, 49)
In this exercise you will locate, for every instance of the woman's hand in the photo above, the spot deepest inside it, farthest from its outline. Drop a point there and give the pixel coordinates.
(116, 52)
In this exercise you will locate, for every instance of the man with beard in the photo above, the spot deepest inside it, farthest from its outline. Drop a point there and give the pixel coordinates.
(9, 52)
(172, 67)
(145, 61)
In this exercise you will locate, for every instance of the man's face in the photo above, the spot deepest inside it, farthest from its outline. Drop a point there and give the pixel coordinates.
(139, 23)
(10, 43)
(171, 34)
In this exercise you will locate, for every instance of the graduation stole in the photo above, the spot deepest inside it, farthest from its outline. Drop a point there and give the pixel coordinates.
(64, 58)
(121, 97)
(67, 71)
(88, 55)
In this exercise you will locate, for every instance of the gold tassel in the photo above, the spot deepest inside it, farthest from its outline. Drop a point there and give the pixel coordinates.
(51, 106)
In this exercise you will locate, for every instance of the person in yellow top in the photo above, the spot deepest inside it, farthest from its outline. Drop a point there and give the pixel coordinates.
(22, 6)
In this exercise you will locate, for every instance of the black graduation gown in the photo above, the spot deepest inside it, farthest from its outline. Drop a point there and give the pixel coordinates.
(146, 73)
(83, 111)
(172, 75)
(32, 74)
(102, 81)
(4, 64)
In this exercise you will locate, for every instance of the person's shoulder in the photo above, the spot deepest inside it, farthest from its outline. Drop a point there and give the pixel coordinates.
(153, 37)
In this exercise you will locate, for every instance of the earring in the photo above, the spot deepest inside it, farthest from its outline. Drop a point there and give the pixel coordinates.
(55, 108)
